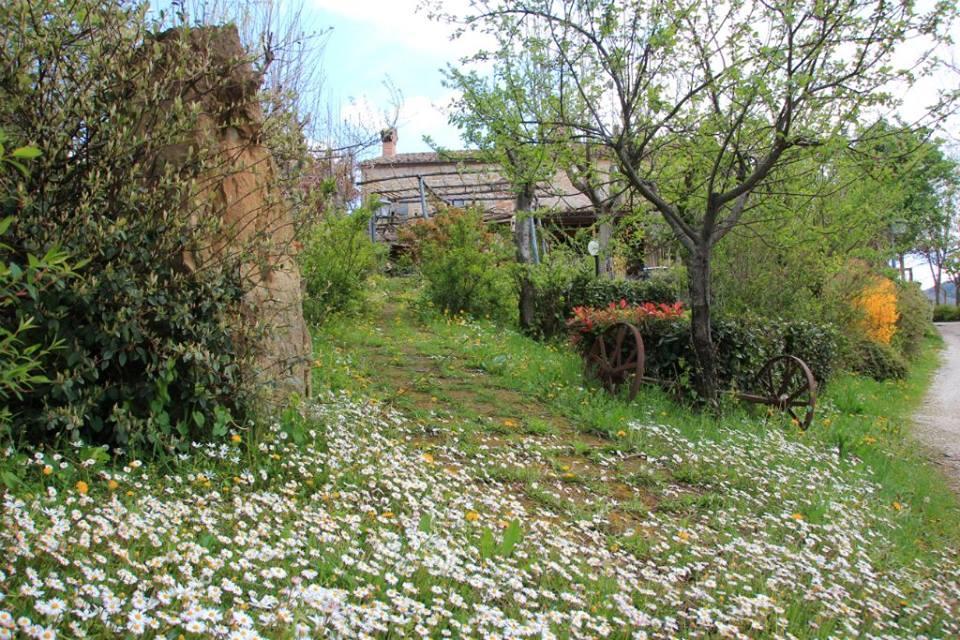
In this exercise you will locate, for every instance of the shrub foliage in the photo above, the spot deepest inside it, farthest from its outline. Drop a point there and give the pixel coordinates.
(466, 267)
(743, 345)
(878, 301)
(337, 259)
(149, 355)
(565, 281)
(877, 360)
(946, 313)
(915, 314)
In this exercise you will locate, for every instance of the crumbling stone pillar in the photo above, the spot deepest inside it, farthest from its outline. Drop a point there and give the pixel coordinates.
(239, 186)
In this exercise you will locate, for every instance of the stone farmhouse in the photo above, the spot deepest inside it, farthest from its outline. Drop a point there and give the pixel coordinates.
(413, 186)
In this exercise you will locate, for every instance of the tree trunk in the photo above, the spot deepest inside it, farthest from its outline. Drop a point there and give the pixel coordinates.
(606, 261)
(698, 283)
(524, 243)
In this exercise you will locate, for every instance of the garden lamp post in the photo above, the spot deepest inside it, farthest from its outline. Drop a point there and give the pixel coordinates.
(593, 248)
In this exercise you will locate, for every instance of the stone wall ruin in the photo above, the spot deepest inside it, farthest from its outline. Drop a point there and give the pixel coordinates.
(239, 186)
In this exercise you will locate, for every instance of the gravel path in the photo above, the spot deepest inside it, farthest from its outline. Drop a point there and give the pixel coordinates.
(938, 421)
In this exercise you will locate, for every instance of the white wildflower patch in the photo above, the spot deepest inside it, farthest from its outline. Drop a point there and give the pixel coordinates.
(356, 533)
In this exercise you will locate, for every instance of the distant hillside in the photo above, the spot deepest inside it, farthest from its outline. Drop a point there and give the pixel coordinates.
(947, 288)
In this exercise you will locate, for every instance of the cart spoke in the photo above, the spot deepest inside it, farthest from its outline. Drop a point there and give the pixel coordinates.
(618, 340)
(801, 387)
(787, 378)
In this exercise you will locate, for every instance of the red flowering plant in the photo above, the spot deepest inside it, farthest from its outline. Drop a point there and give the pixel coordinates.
(588, 322)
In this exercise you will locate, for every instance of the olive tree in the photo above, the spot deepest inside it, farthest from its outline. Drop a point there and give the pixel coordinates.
(705, 105)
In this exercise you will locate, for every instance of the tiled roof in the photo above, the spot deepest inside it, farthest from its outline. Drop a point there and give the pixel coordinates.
(429, 157)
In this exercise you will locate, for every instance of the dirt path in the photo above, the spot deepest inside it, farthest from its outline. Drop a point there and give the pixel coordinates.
(938, 421)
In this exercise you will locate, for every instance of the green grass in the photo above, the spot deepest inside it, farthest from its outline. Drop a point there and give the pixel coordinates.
(456, 460)
(459, 368)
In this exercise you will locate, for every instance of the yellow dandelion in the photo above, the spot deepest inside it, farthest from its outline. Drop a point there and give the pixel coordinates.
(509, 423)
(683, 535)
(47, 470)
(235, 438)
(621, 433)
(82, 487)
(897, 506)
(797, 516)
(472, 516)
(428, 458)
(112, 484)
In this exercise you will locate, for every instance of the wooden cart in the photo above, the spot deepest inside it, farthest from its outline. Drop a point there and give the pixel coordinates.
(616, 358)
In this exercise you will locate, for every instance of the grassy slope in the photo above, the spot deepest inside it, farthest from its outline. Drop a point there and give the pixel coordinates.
(457, 478)
(417, 364)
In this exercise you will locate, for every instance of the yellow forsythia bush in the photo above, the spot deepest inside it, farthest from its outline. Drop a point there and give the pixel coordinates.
(878, 301)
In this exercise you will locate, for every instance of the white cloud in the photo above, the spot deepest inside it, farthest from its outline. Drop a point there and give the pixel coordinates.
(419, 116)
(408, 23)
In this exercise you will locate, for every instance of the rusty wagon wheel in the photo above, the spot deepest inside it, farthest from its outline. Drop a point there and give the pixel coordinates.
(786, 383)
(616, 358)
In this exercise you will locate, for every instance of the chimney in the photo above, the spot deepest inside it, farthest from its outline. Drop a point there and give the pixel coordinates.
(389, 139)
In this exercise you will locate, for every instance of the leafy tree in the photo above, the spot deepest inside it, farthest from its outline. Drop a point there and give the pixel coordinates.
(867, 204)
(706, 105)
(952, 267)
(938, 228)
(502, 116)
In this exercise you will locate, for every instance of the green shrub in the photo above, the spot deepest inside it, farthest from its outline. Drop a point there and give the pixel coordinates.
(566, 280)
(743, 346)
(553, 282)
(20, 356)
(589, 291)
(151, 348)
(465, 267)
(946, 313)
(877, 360)
(916, 314)
(818, 345)
(337, 260)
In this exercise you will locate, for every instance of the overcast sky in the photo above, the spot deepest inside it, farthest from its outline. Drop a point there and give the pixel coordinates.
(374, 42)
(378, 41)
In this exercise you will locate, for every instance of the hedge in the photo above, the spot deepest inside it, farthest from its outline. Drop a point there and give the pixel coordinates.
(946, 313)
(743, 345)
(558, 295)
